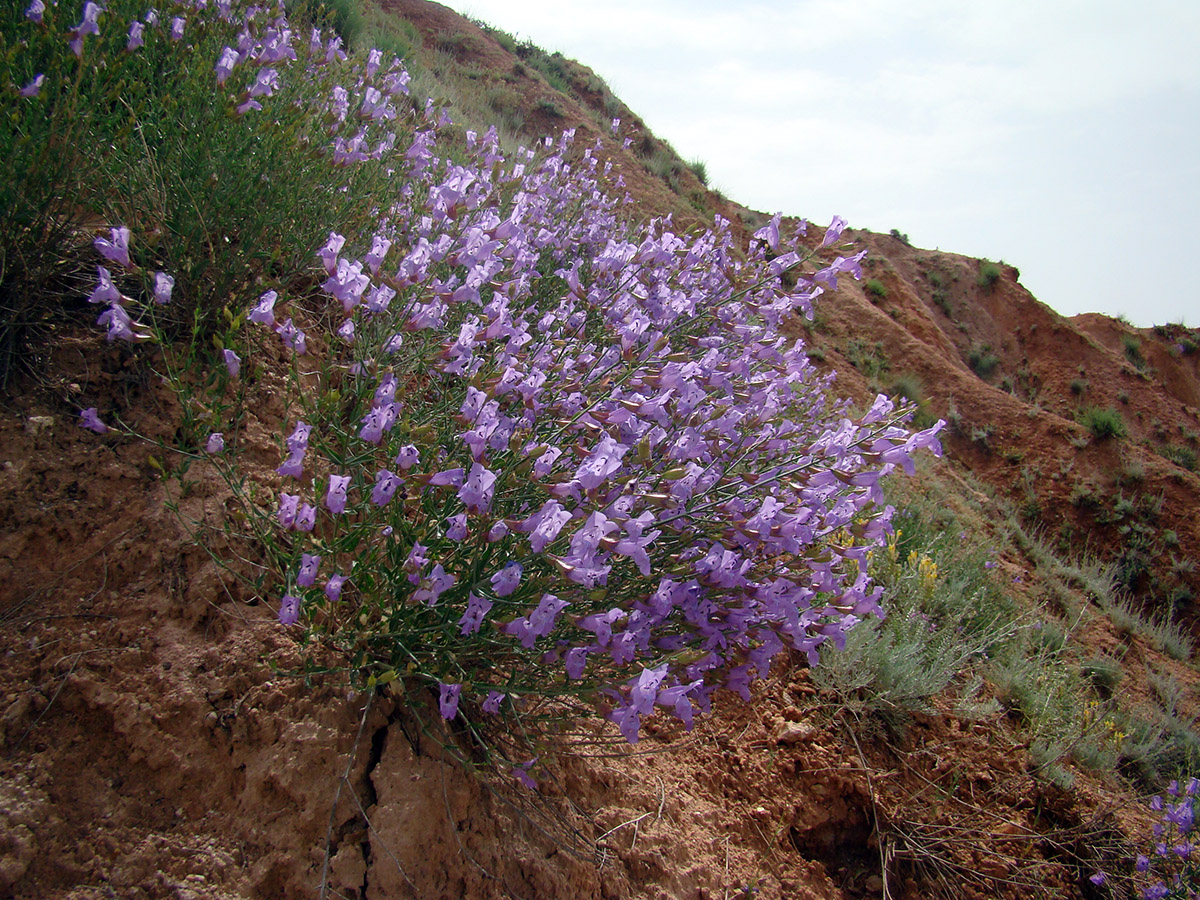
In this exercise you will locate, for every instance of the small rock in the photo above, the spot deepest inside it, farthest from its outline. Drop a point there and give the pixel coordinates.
(35, 425)
(794, 733)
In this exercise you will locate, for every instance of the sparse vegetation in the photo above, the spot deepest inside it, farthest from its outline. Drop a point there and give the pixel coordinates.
(989, 274)
(982, 361)
(1103, 423)
(875, 289)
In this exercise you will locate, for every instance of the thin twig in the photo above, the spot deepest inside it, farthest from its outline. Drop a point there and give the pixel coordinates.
(362, 724)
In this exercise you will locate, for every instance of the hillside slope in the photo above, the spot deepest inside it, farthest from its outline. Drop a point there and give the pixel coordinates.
(154, 746)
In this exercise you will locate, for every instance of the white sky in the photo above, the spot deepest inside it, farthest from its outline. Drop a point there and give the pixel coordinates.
(1062, 136)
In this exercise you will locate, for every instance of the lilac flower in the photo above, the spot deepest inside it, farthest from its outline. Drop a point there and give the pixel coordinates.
(264, 311)
(498, 531)
(544, 525)
(164, 284)
(434, 586)
(1097, 879)
(225, 64)
(834, 231)
(89, 24)
(177, 24)
(90, 420)
(120, 326)
(35, 11)
(215, 443)
(346, 331)
(105, 291)
(506, 580)
(307, 575)
(289, 505)
(477, 609)
(292, 337)
(385, 486)
(603, 462)
(136, 30)
(117, 249)
(293, 466)
(34, 87)
(306, 517)
(491, 704)
(265, 84)
(246, 105)
(478, 489)
(448, 478)
(335, 497)
(233, 362)
(457, 529)
(408, 457)
(376, 422)
(333, 587)
(289, 610)
(521, 773)
(329, 253)
(448, 700)
(379, 249)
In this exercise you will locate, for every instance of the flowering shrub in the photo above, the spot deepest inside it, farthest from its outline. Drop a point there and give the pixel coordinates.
(1170, 866)
(536, 453)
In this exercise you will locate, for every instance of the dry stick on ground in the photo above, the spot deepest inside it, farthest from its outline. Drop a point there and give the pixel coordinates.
(884, 854)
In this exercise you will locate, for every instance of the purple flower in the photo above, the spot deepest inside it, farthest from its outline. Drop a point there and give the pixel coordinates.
(604, 461)
(333, 587)
(497, 531)
(35, 11)
(215, 442)
(120, 326)
(265, 84)
(289, 505)
(408, 457)
(385, 487)
(33, 88)
(307, 575)
(226, 63)
(233, 363)
(478, 489)
(164, 284)
(289, 610)
(105, 291)
(545, 524)
(1143, 863)
(491, 704)
(450, 477)
(136, 30)
(472, 619)
(264, 311)
(458, 527)
(439, 580)
(521, 773)
(1097, 879)
(117, 249)
(834, 231)
(329, 253)
(346, 331)
(306, 517)
(177, 24)
(335, 497)
(89, 24)
(448, 700)
(90, 420)
(293, 466)
(506, 580)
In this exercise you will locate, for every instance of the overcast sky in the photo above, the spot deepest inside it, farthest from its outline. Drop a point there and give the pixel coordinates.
(1062, 136)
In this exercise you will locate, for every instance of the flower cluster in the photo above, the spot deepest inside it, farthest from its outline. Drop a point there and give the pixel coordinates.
(551, 453)
(1170, 865)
